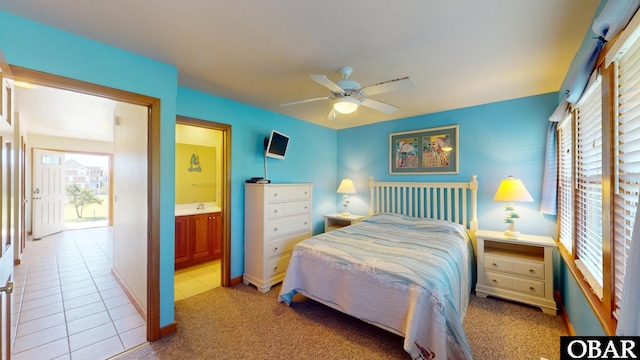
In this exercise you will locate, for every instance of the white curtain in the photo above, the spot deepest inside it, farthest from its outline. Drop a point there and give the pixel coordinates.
(629, 317)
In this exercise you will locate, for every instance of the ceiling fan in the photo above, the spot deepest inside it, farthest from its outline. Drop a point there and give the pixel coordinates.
(347, 94)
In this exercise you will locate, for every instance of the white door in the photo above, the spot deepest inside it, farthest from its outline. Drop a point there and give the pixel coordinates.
(7, 217)
(48, 193)
(6, 244)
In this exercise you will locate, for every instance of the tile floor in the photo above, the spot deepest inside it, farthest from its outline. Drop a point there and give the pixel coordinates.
(67, 305)
(196, 279)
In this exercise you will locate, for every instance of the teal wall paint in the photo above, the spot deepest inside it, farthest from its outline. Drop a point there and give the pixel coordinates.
(311, 157)
(583, 319)
(496, 140)
(32, 45)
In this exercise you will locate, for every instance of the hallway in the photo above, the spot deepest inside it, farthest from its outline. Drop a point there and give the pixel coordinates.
(67, 305)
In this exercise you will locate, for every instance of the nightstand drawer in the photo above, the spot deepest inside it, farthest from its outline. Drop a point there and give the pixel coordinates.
(530, 287)
(497, 263)
(531, 269)
(525, 286)
(495, 279)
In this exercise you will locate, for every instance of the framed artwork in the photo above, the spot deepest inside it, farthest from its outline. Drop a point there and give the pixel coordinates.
(426, 151)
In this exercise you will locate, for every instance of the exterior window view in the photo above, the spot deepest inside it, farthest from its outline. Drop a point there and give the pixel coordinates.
(87, 191)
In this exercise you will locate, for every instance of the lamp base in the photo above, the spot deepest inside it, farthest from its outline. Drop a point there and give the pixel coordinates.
(345, 214)
(512, 233)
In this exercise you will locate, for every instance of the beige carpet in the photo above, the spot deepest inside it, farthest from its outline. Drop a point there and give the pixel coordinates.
(241, 323)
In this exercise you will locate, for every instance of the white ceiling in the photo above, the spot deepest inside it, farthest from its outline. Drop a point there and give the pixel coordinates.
(459, 53)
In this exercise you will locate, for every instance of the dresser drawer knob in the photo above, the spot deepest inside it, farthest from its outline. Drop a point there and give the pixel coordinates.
(531, 271)
(275, 249)
(494, 264)
(275, 211)
(275, 229)
(494, 281)
(531, 288)
(275, 194)
(275, 268)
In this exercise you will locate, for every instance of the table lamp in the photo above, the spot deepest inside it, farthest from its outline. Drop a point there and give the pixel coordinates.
(512, 190)
(346, 187)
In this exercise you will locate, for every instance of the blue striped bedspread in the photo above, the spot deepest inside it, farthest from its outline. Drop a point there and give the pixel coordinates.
(411, 276)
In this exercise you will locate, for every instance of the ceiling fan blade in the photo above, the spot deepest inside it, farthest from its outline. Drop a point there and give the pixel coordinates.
(332, 115)
(306, 101)
(324, 81)
(378, 105)
(388, 86)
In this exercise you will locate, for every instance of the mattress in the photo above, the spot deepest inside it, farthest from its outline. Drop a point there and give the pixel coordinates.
(411, 276)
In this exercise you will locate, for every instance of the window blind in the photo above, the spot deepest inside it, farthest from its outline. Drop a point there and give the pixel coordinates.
(565, 182)
(588, 201)
(627, 162)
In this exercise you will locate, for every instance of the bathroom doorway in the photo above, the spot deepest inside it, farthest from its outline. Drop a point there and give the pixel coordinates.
(202, 202)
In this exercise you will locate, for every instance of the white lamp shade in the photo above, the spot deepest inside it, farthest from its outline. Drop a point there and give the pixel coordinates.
(346, 187)
(346, 105)
(511, 189)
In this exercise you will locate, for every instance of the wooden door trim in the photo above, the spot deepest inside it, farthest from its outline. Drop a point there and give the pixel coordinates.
(153, 159)
(225, 262)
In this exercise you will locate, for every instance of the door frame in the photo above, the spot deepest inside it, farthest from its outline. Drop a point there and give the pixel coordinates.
(154, 332)
(225, 263)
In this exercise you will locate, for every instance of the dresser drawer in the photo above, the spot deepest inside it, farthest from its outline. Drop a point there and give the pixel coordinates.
(278, 194)
(286, 226)
(276, 211)
(277, 266)
(526, 268)
(281, 246)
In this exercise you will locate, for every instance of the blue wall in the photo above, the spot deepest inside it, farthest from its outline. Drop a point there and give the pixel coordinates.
(496, 140)
(311, 157)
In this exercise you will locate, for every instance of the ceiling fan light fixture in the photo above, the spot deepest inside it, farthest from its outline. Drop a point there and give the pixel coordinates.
(346, 105)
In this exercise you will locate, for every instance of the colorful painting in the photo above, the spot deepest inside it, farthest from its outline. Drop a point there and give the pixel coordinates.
(426, 151)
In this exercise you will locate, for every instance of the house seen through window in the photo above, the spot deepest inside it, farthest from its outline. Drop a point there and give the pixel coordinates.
(87, 190)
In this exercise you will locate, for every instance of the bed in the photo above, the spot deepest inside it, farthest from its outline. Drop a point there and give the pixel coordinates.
(407, 268)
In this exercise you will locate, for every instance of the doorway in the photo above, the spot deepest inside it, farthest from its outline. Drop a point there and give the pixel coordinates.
(152, 111)
(220, 136)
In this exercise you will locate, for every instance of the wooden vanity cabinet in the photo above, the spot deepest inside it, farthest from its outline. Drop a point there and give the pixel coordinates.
(198, 238)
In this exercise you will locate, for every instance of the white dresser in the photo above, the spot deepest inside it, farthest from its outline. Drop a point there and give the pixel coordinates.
(276, 217)
(516, 269)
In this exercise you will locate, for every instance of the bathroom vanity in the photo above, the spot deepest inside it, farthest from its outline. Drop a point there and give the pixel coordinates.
(198, 235)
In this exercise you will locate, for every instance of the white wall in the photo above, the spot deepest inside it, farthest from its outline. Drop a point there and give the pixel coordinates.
(130, 205)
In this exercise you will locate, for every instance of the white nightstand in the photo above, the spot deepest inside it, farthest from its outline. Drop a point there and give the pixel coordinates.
(337, 220)
(516, 269)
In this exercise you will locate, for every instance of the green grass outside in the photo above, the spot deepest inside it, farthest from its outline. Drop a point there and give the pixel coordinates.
(93, 212)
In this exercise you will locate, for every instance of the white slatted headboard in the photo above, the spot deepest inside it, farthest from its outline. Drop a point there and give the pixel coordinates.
(452, 201)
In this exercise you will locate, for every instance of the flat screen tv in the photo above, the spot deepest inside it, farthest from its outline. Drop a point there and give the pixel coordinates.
(277, 145)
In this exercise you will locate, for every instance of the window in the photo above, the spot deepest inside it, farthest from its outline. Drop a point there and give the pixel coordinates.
(627, 162)
(565, 182)
(599, 182)
(588, 187)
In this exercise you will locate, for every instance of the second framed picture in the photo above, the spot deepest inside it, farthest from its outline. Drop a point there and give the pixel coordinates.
(426, 151)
